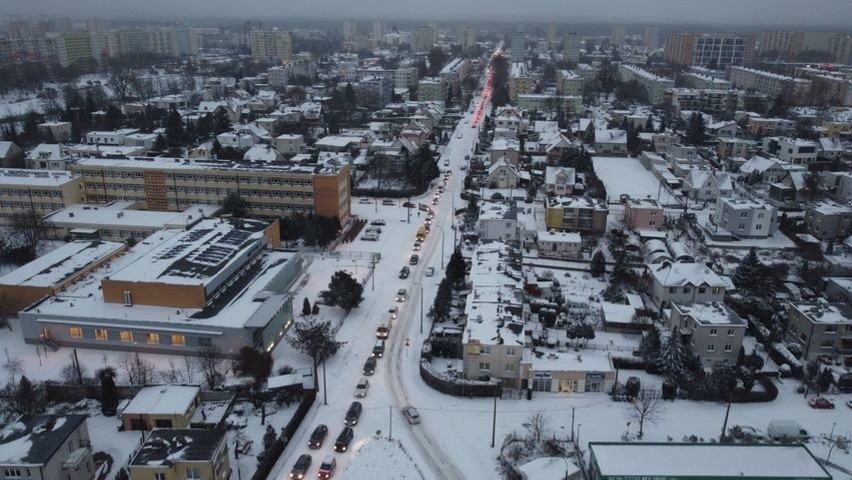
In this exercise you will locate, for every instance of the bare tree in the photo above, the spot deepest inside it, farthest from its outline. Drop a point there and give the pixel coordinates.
(7, 309)
(646, 407)
(121, 79)
(171, 375)
(189, 366)
(138, 371)
(537, 424)
(13, 366)
(29, 229)
(210, 362)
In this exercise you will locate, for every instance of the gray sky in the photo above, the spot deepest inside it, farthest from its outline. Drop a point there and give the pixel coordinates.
(811, 13)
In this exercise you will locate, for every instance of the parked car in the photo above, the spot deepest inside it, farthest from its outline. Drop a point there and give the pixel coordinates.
(300, 468)
(370, 237)
(379, 349)
(343, 440)
(849, 403)
(362, 387)
(318, 436)
(409, 205)
(388, 201)
(400, 295)
(414, 259)
(393, 312)
(382, 331)
(411, 414)
(459, 135)
(370, 366)
(430, 271)
(423, 207)
(373, 229)
(440, 189)
(379, 222)
(463, 167)
(821, 403)
(327, 467)
(446, 163)
(365, 200)
(353, 414)
(404, 272)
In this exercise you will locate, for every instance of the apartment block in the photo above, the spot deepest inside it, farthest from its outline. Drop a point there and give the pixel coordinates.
(822, 329)
(746, 218)
(714, 330)
(568, 83)
(174, 184)
(520, 81)
(180, 454)
(760, 126)
(37, 191)
(643, 213)
(656, 86)
(829, 220)
(431, 89)
(796, 90)
(583, 214)
(273, 46)
(572, 45)
(715, 51)
(796, 151)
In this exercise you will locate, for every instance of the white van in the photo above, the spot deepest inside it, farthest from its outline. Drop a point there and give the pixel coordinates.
(786, 429)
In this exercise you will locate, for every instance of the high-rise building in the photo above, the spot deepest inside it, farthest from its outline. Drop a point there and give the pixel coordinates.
(423, 39)
(378, 30)
(273, 46)
(652, 37)
(715, 51)
(95, 25)
(552, 31)
(74, 48)
(54, 25)
(784, 44)
(618, 34)
(468, 38)
(572, 47)
(187, 40)
(350, 30)
(518, 48)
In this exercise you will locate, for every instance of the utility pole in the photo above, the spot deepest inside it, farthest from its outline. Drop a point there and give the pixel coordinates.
(324, 388)
(494, 420)
(390, 422)
(373, 273)
(572, 424)
(421, 309)
(408, 210)
(442, 249)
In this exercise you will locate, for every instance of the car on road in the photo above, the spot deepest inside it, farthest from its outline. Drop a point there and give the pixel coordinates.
(821, 403)
(430, 271)
(343, 440)
(393, 312)
(427, 222)
(414, 259)
(446, 163)
(404, 272)
(365, 200)
(409, 205)
(440, 189)
(411, 414)
(362, 387)
(327, 467)
(370, 237)
(435, 201)
(318, 436)
(401, 294)
(467, 157)
(388, 201)
(459, 135)
(379, 349)
(463, 167)
(380, 222)
(849, 403)
(423, 207)
(416, 246)
(369, 366)
(373, 229)
(300, 468)
(382, 331)
(353, 414)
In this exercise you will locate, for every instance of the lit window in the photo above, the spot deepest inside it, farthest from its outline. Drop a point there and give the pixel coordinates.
(101, 334)
(76, 332)
(126, 336)
(153, 337)
(179, 340)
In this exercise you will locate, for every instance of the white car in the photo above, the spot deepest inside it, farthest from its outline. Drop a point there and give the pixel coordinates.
(446, 163)
(411, 414)
(430, 271)
(393, 312)
(400, 295)
(459, 135)
(362, 387)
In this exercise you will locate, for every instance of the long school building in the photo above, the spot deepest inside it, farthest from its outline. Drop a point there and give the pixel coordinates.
(170, 184)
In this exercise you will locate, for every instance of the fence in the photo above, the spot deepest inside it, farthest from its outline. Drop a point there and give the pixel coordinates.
(458, 387)
(272, 456)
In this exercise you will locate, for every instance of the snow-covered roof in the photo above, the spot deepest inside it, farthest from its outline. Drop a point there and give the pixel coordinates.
(35, 178)
(34, 439)
(710, 313)
(58, 265)
(673, 460)
(120, 213)
(162, 400)
(549, 468)
(167, 446)
(561, 237)
(608, 136)
(759, 164)
(680, 274)
(551, 173)
(570, 361)
(262, 153)
(820, 312)
(4, 148)
(830, 207)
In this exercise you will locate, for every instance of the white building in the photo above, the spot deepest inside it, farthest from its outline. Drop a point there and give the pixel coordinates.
(746, 218)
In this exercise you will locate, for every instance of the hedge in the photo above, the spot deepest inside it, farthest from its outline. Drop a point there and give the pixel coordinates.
(458, 387)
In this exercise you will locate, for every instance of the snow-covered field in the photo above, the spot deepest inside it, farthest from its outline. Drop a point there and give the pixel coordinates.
(382, 458)
(625, 175)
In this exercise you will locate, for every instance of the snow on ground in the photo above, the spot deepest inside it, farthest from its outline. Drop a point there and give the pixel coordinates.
(381, 458)
(625, 175)
(17, 103)
(277, 416)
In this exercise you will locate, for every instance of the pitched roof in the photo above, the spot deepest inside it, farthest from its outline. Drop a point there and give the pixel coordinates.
(34, 439)
(681, 274)
(551, 173)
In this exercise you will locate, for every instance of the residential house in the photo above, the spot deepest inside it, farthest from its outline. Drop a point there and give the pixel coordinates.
(11, 154)
(745, 218)
(792, 150)
(839, 289)
(55, 131)
(830, 149)
(839, 185)
(49, 156)
(553, 244)
(611, 142)
(790, 189)
(161, 406)
(643, 213)
(821, 329)
(727, 129)
(706, 185)
(498, 221)
(582, 214)
(758, 126)
(559, 180)
(829, 220)
(182, 454)
(289, 144)
(502, 174)
(729, 147)
(714, 330)
(46, 447)
(506, 148)
(687, 283)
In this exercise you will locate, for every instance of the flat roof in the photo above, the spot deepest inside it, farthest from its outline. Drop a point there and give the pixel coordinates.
(162, 400)
(711, 313)
(168, 446)
(168, 163)
(58, 265)
(35, 178)
(122, 214)
(705, 460)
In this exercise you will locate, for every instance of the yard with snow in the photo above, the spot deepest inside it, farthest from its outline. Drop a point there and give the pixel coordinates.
(625, 175)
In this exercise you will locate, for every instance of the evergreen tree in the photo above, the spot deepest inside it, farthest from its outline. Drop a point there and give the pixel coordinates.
(649, 346)
(747, 271)
(109, 393)
(598, 265)
(269, 438)
(221, 121)
(315, 309)
(633, 142)
(306, 307)
(443, 299)
(456, 267)
(695, 129)
(160, 144)
(253, 363)
(216, 149)
(343, 291)
(589, 134)
(235, 205)
(670, 360)
(25, 398)
(824, 380)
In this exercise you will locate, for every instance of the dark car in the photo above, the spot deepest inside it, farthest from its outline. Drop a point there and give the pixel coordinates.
(353, 414)
(404, 272)
(370, 366)
(301, 467)
(343, 440)
(414, 259)
(379, 349)
(409, 205)
(318, 436)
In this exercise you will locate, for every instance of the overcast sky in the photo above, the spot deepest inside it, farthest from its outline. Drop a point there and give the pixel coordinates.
(812, 13)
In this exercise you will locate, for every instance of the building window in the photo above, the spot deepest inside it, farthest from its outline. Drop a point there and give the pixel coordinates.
(205, 342)
(702, 290)
(827, 344)
(728, 348)
(510, 351)
(485, 366)
(76, 332)
(179, 340)
(153, 337)
(101, 334)
(711, 348)
(730, 332)
(126, 336)
(686, 289)
(485, 350)
(13, 473)
(717, 290)
(193, 473)
(159, 476)
(831, 329)
(713, 332)
(672, 289)
(510, 367)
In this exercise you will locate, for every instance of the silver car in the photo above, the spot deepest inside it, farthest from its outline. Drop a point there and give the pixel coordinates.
(411, 414)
